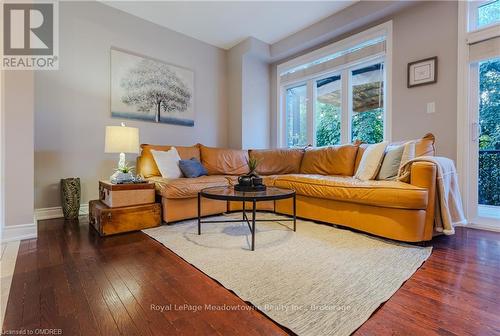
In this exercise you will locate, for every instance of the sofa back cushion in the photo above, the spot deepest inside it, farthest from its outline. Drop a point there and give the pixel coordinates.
(423, 147)
(330, 160)
(146, 165)
(223, 161)
(278, 161)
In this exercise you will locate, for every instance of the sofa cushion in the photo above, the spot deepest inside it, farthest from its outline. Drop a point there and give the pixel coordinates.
(423, 147)
(278, 161)
(222, 161)
(330, 160)
(371, 161)
(168, 162)
(186, 187)
(192, 168)
(146, 165)
(389, 194)
(390, 165)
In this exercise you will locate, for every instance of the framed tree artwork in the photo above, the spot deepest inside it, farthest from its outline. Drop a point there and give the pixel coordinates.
(146, 89)
(422, 72)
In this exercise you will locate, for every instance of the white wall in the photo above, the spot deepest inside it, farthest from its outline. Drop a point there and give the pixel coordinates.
(73, 103)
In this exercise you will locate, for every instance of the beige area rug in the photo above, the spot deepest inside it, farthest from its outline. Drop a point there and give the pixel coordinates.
(319, 280)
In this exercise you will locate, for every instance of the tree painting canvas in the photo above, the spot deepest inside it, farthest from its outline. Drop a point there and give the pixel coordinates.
(150, 90)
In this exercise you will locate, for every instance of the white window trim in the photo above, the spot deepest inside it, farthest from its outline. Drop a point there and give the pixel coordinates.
(464, 118)
(352, 41)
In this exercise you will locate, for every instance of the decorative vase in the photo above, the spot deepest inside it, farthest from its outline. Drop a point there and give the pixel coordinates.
(251, 182)
(70, 197)
(245, 180)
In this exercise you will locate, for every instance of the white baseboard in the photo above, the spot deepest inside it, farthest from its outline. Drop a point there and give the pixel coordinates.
(494, 228)
(56, 212)
(19, 232)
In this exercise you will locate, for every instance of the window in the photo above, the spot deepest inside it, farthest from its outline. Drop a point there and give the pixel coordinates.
(328, 110)
(483, 14)
(296, 117)
(336, 95)
(367, 85)
(488, 13)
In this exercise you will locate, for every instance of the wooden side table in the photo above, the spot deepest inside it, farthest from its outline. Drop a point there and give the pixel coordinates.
(124, 208)
(121, 195)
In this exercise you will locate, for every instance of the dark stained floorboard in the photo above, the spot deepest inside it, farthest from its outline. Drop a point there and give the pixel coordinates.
(69, 278)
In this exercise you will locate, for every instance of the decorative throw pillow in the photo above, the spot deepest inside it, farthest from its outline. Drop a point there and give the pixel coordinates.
(408, 152)
(390, 164)
(192, 168)
(168, 163)
(370, 162)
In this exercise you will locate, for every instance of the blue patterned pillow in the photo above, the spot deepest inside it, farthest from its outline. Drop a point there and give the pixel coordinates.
(192, 168)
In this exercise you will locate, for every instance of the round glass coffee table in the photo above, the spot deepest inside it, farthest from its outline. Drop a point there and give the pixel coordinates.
(229, 194)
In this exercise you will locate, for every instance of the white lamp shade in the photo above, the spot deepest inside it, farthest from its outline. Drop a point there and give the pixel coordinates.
(121, 139)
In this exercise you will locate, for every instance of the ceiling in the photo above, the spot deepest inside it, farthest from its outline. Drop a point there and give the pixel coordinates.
(226, 23)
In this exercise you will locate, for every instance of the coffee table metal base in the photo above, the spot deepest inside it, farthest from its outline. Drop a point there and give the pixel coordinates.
(250, 222)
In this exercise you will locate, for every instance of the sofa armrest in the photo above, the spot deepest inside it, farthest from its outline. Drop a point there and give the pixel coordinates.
(423, 175)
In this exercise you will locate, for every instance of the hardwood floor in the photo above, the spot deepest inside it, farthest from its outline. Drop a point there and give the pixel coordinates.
(70, 279)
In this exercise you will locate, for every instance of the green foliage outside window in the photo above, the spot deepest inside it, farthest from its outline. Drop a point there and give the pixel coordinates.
(368, 126)
(489, 141)
(328, 124)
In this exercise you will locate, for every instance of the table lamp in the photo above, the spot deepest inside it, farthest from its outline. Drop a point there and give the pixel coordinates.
(121, 139)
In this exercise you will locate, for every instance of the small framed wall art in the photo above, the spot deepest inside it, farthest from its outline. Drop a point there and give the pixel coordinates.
(422, 72)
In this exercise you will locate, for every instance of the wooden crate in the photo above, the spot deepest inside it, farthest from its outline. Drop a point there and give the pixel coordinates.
(108, 221)
(122, 195)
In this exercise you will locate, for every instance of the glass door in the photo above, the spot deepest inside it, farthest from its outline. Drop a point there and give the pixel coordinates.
(485, 138)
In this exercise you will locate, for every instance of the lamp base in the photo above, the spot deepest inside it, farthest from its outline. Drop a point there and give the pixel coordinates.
(122, 162)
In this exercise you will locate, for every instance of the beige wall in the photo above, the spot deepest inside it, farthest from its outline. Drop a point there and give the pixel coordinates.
(248, 95)
(73, 103)
(422, 30)
(256, 121)
(426, 30)
(17, 148)
(2, 158)
(235, 94)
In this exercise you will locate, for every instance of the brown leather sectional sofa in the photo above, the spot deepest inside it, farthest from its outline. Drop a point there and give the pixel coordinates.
(324, 182)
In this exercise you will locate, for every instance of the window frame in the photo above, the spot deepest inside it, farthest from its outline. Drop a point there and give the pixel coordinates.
(385, 30)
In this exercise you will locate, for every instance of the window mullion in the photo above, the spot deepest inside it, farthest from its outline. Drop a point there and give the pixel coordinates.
(310, 112)
(345, 132)
(314, 111)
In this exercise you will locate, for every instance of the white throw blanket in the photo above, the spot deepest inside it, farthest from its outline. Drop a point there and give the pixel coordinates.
(449, 211)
